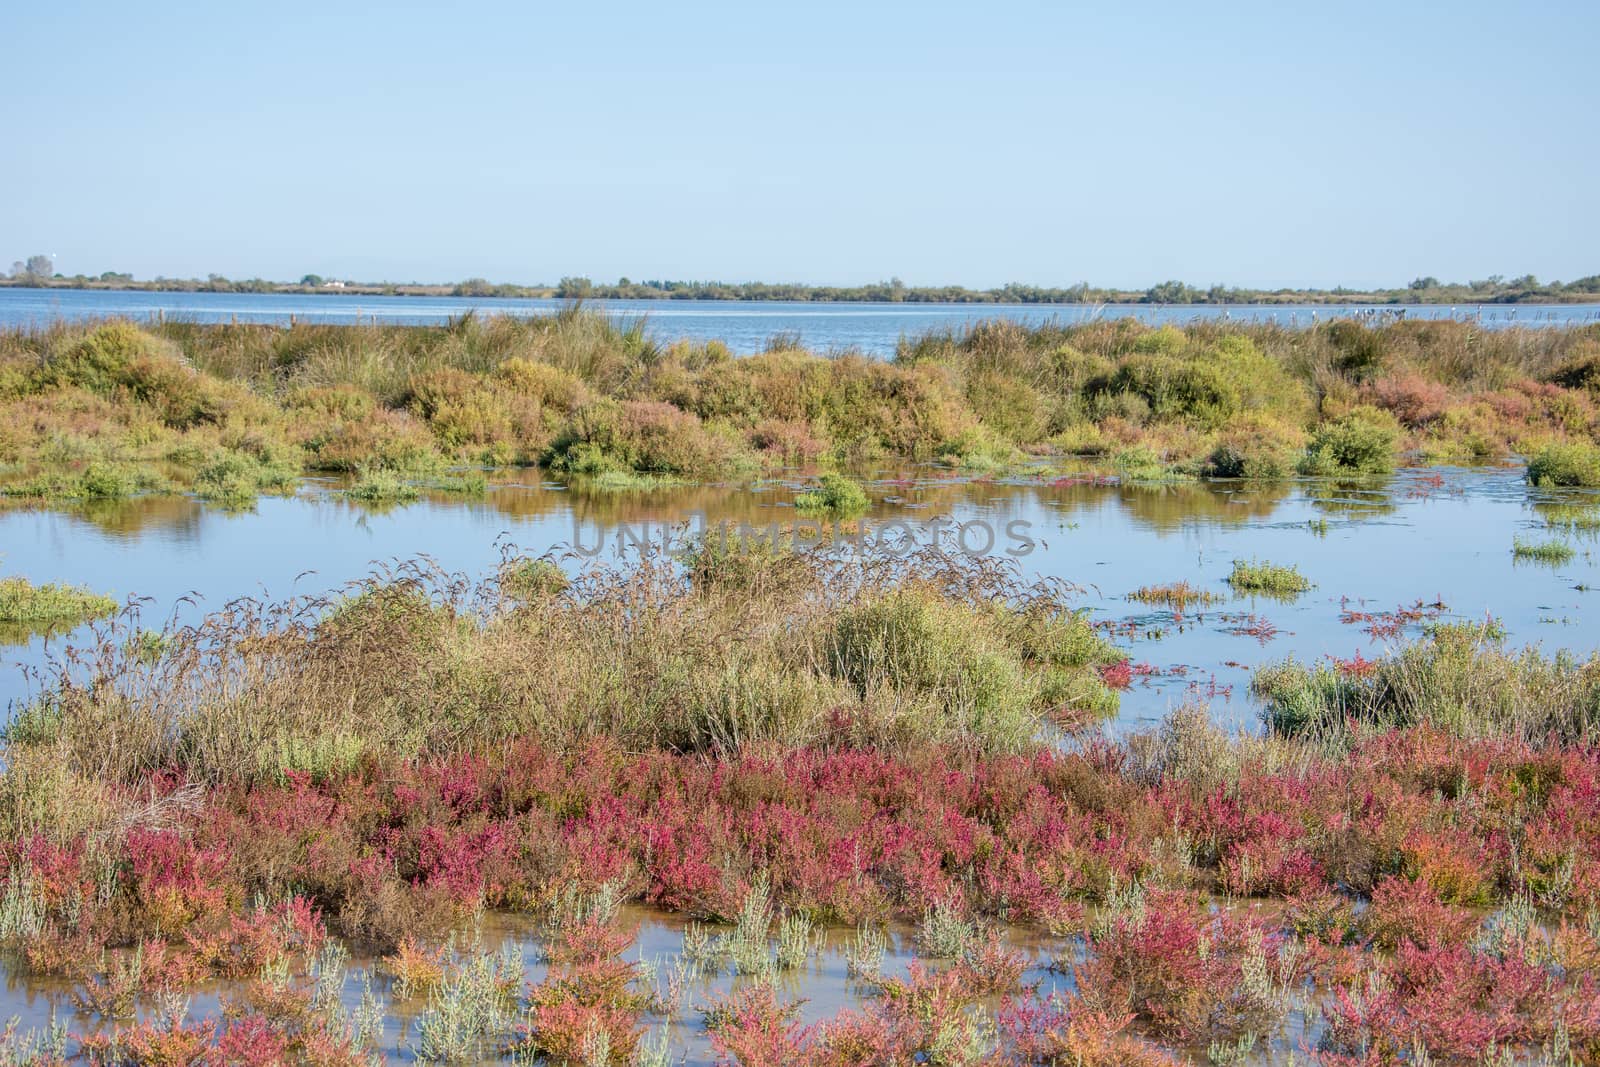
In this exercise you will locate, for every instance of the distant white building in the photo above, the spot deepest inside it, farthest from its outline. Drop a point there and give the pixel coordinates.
(333, 285)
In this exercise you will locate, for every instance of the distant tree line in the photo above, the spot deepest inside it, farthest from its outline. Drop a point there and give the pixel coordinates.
(1496, 289)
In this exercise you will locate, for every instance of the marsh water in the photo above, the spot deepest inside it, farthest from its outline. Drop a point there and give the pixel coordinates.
(745, 326)
(1429, 542)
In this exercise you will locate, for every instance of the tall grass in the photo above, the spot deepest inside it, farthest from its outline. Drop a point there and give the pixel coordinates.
(1460, 679)
(936, 649)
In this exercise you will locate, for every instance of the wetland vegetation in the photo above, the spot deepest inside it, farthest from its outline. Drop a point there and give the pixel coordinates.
(1406, 857)
(266, 831)
(226, 412)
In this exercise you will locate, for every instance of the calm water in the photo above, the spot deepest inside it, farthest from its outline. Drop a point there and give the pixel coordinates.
(744, 326)
(1435, 536)
(1431, 535)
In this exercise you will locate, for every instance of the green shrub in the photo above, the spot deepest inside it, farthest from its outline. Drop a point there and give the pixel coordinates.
(102, 481)
(1178, 389)
(1254, 446)
(381, 487)
(1581, 368)
(22, 602)
(1253, 576)
(1359, 351)
(1558, 465)
(1362, 442)
(236, 479)
(533, 579)
(650, 437)
(1008, 406)
(939, 656)
(836, 497)
(1141, 464)
(119, 358)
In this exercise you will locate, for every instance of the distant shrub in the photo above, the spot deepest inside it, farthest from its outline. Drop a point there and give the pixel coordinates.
(1142, 463)
(103, 481)
(381, 487)
(1163, 340)
(728, 561)
(1177, 388)
(1359, 350)
(1460, 680)
(1071, 371)
(234, 478)
(118, 359)
(333, 402)
(533, 579)
(941, 656)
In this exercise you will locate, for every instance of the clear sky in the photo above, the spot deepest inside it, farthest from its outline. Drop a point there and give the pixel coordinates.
(1049, 143)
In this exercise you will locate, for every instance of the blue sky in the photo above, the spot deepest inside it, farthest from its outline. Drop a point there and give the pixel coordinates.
(1120, 144)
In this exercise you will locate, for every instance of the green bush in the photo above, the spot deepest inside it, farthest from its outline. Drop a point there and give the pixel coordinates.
(1574, 464)
(119, 358)
(1362, 442)
(1270, 578)
(103, 481)
(22, 602)
(729, 561)
(1009, 406)
(939, 657)
(1178, 389)
(836, 497)
(649, 437)
(1255, 446)
(381, 487)
(1142, 464)
(235, 479)
(1552, 552)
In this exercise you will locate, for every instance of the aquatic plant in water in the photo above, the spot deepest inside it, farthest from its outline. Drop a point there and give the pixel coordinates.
(836, 497)
(23, 603)
(1253, 576)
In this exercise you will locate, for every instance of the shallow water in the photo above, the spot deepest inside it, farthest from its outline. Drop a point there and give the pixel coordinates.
(1430, 537)
(821, 987)
(743, 326)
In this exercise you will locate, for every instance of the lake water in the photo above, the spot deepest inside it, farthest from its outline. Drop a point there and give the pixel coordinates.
(744, 326)
(1428, 536)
